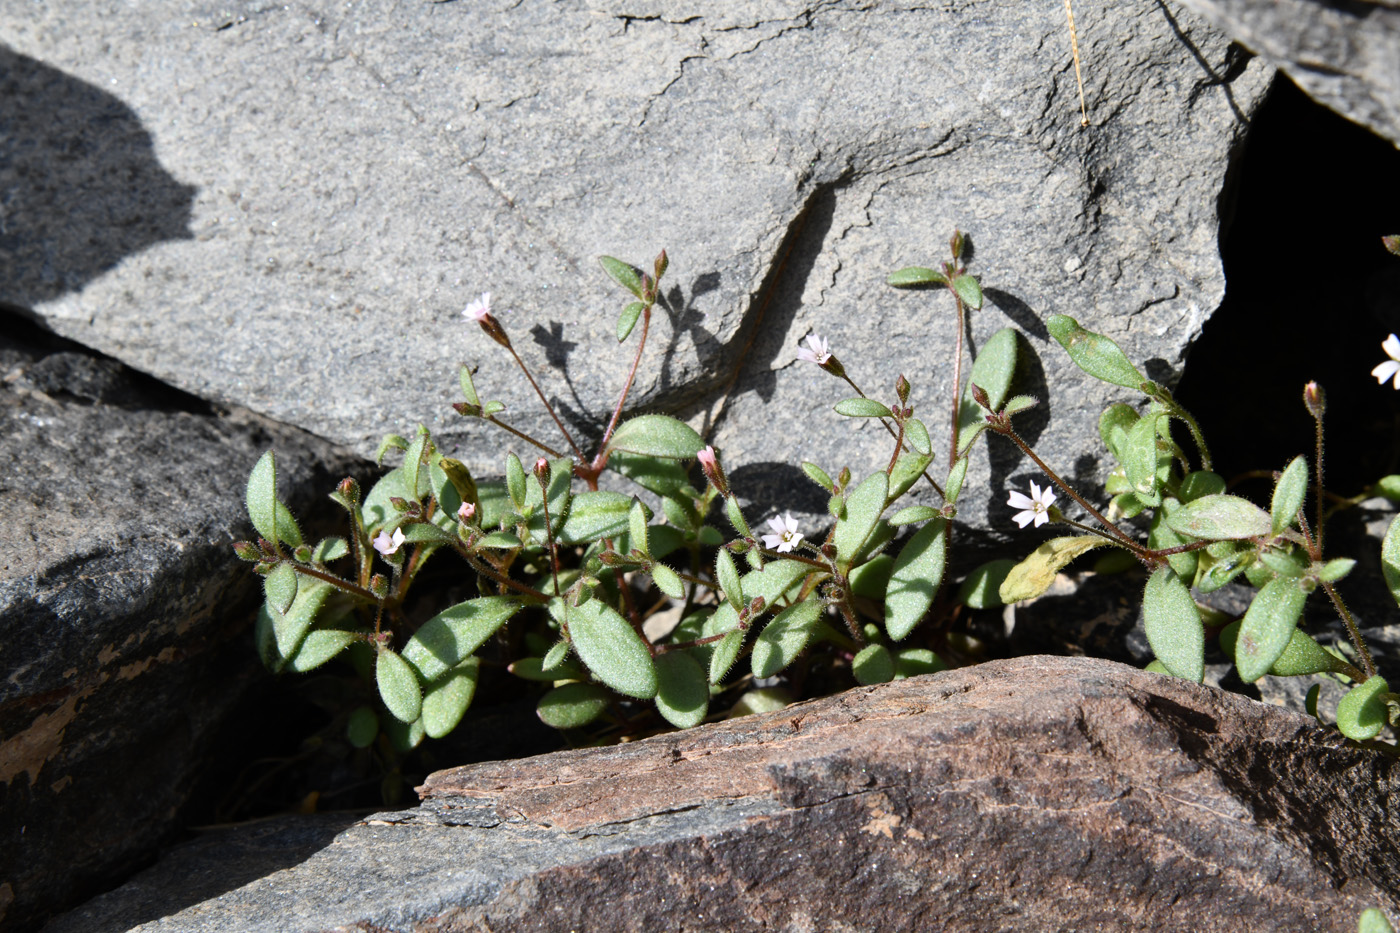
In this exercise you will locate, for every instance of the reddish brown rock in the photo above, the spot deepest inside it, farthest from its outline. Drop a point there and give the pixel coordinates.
(1040, 793)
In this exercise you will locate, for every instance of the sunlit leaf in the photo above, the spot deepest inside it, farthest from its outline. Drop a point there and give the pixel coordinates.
(785, 637)
(682, 693)
(318, 647)
(269, 516)
(398, 686)
(280, 587)
(628, 319)
(862, 408)
(1361, 714)
(1173, 625)
(873, 664)
(453, 635)
(657, 436)
(918, 571)
(1094, 353)
(447, 698)
(595, 514)
(1033, 575)
(863, 508)
(623, 274)
(612, 649)
(1289, 493)
(1220, 517)
(1267, 627)
(916, 275)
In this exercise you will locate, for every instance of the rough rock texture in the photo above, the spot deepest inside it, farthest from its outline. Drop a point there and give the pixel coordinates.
(1344, 53)
(1032, 794)
(123, 616)
(360, 171)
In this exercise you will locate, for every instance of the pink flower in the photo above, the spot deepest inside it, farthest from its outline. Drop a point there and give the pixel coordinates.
(817, 350)
(387, 545)
(786, 536)
(1391, 367)
(707, 459)
(480, 309)
(1036, 506)
(465, 513)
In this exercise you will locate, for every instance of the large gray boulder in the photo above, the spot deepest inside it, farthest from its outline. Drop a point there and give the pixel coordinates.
(1346, 56)
(1031, 794)
(361, 173)
(124, 618)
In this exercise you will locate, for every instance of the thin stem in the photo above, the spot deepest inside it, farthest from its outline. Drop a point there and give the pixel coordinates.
(547, 407)
(491, 573)
(957, 379)
(1366, 663)
(335, 581)
(1008, 431)
(602, 458)
(1196, 434)
(885, 424)
(549, 536)
(1097, 532)
(1079, 78)
(898, 446)
(523, 436)
(1180, 548)
(1317, 464)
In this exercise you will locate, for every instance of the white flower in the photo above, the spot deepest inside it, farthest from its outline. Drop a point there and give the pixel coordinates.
(819, 352)
(480, 309)
(786, 536)
(386, 545)
(1391, 367)
(1036, 505)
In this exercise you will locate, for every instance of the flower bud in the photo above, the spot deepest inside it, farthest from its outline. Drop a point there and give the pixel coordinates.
(246, 550)
(901, 388)
(979, 396)
(542, 471)
(349, 489)
(833, 366)
(709, 465)
(379, 586)
(399, 503)
(1315, 400)
(302, 554)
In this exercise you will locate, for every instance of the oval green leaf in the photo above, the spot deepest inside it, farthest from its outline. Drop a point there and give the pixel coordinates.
(398, 686)
(280, 587)
(657, 436)
(1220, 518)
(362, 727)
(862, 408)
(447, 698)
(572, 706)
(992, 372)
(1390, 558)
(784, 638)
(1094, 353)
(1200, 484)
(269, 516)
(917, 436)
(667, 581)
(682, 693)
(453, 635)
(1114, 424)
(914, 513)
(917, 574)
(873, 664)
(967, 288)
(1173, 625)
(916, 275)
(612, 649)
(953, 485)
(982, 588)
(318, 647)
(623, 274)
(863, 508)
(628, 319)
(1140, 459)
(290, 628)
(1361, 714)
(1267, 627)
(596, 514)
(1289, 494)
(724, 620)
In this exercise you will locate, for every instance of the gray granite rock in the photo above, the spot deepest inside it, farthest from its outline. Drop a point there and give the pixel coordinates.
(1345, 55)
(124, 617)
(1031, 794)
(361, 171)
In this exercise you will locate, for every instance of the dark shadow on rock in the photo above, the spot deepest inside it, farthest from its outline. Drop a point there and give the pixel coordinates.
(1002, 455)
(1236, 61)
(771, 486)
(80, 186)
(1021, 314)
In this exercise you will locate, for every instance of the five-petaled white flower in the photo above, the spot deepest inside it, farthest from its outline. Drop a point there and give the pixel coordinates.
(480, 309)
(387, 545)
(1036, 505)
(787, 536)
(817, 350)
(1391, 367)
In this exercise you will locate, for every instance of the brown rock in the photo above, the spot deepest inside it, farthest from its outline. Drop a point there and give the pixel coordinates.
(1039, 793)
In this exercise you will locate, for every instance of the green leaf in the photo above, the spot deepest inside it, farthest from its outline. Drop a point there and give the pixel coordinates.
(1289, 494)
(1304, 656)
(967, 437)
(872, 578)
(1390, 558)
(413, 462)
(628, 320)
(953, 485)
(873, 664)
(735, 514)
(377, 510)
(764, 700)
(515, 481)
(1141, 457)
(572, 706)
(863, 508)
(728, 576)
(775, 579)
(404, 736)
(1036, 572)
(1361, 714)
(1371, 919)
(623, 274)
(1200, 484)
(907, 470)
(992, 371)
(318, 647)
(554, 658)
(657, 436)
(280, 587)
(595, 514)
(362, 727)
(911, 662)
(447, 698)
(289, 628)
(784, 638)
(534, 669)
(1018, 404)
(723, 654)
(269, 516)
(918, 571)
(982, 588)
(968, 290)
(637, 528)
(453, 635)
(817, 475)
(914, 513)
(330, 549)
(662, 477)
(1335, 569)
(1094, 353)
(1387, 486)
(398, 686)
(612, 649)
(862, 408)
(492, 408)
(917, 436)
(387, 443)
(667, 581)
(464, 377)
(1114, 424)
(1173, 625)
(1160, 536)
(426, 533)
(915, 275)
(682, 693)
(1267, 627)
(1220, 517)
